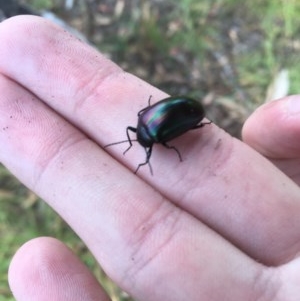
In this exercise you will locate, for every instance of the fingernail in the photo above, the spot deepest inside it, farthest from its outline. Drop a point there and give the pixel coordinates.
(293, 104)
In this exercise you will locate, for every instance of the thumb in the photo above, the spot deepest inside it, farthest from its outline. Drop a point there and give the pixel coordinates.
(274, 129)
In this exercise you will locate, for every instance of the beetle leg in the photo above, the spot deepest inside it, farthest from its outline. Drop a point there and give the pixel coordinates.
(129, 128)
(202, 124)
(142, 110)
(174, 148)
(149, 101)
(148, 155)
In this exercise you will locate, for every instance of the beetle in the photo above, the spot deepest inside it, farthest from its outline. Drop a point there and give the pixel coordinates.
(164, 121)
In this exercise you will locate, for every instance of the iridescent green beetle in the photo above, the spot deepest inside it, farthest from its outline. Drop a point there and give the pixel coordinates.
(164, 121)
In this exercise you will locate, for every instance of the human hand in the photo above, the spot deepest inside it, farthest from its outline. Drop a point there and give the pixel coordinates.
(221, 225)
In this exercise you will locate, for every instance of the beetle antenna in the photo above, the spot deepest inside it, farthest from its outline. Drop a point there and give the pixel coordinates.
(119, 142)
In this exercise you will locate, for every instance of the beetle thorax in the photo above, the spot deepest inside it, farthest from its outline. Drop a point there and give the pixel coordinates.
(143, 136)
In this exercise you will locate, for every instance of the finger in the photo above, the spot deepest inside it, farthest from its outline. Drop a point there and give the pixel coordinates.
(45, 269)
(274, 128)
(274, 131)
(73, 175)
(219, 179)
(150, 247)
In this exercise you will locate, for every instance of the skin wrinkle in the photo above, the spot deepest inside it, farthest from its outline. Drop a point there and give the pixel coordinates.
(90, 89)
(64, 147)
(142, 227)
(86, 91)
(217, 163)
(150, 236)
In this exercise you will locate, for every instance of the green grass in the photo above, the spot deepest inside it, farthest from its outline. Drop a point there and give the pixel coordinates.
(177, 46)
(41, 4)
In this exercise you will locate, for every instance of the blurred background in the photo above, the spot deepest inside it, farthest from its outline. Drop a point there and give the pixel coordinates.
(231, 55)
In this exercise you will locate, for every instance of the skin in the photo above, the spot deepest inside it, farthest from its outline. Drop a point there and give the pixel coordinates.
(221, 225)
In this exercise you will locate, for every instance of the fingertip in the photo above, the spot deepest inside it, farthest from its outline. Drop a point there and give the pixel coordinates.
(45, 269)
(274, 128)
(21, 27)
